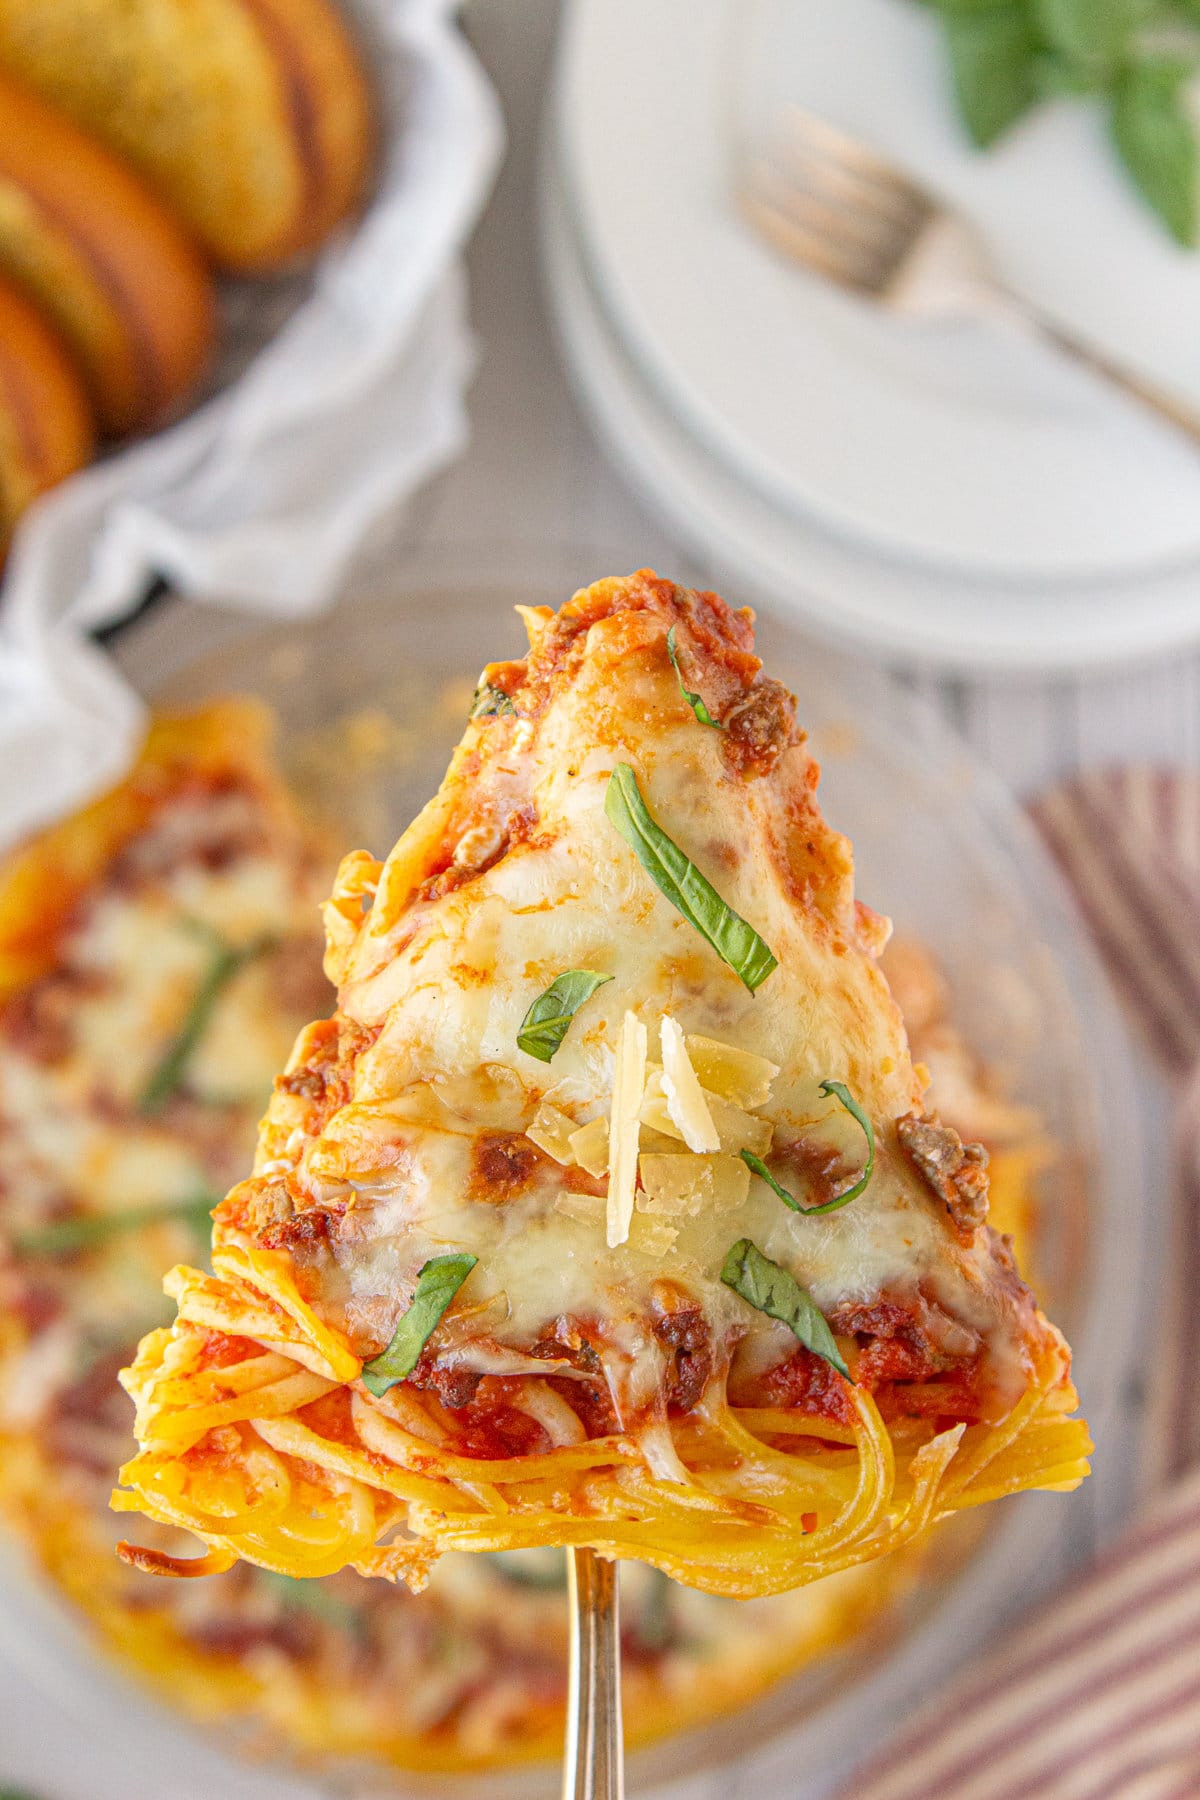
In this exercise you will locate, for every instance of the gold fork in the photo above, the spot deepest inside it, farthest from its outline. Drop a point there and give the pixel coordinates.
(836, 206)
(593, 1761)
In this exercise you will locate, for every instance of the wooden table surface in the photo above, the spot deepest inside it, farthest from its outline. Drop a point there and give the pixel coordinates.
(533, 477)
(533, 474)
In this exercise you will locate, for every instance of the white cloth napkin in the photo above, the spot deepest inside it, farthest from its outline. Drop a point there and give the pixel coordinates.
(262, 495)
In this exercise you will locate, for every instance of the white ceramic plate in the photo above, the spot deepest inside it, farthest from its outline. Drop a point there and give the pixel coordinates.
(938, 843)
(960, 446)
(836, 588)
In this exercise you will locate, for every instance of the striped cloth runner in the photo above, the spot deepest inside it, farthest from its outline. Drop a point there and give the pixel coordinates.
(1096, 1696)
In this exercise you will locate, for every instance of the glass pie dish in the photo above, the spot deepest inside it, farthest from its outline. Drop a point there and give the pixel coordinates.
(369, 702)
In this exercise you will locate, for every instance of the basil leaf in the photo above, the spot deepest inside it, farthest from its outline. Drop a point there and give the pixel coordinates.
(992, 63)
(437, 1284)
(488, 701)
(694, 701)
(764, 1285)
(1058, 77)
(68, 1235)
(1092, 31)
(172, 1066)
(545, 1569)
(654, 1624)
(842, 1094)
(307, 1594)
(734, 941)
(546, 1023)
(1158, 142)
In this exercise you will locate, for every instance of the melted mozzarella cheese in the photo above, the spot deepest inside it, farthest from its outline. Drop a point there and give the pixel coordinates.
(446, 980)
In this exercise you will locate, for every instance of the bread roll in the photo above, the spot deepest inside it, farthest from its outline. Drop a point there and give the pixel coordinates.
(119, 278)
(45, 421)
(249, 117)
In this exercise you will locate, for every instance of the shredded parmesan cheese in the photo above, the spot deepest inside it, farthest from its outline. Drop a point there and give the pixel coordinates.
(629, 1080)
(589, 1208)
(589, 1147)
(681, 1090)
(678, 1184)
(736, 1075)
(737, 1130)
(653, 1236)
(551, 1131)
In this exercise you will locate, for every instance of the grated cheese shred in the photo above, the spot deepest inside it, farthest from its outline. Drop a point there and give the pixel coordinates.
(589, 1147)
(629, 1080)
(736, 1129)
(737, 1075)
(678, 1184)
(683, 1094)
(551, 1131)
(588, 1208)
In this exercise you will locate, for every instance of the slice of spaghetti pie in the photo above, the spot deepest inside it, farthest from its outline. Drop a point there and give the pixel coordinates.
(608, 1208)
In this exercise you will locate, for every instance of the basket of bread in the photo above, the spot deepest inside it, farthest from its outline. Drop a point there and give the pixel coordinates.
(224, 225)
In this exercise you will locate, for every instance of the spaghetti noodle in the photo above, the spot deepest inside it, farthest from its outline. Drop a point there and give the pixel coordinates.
(646, 1346)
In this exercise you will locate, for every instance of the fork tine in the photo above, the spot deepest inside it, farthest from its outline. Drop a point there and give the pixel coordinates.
(871, 214)
(885, 236)
(841, 201)
(837, 259)
(833, 203)
(856, 161)
(895, 208)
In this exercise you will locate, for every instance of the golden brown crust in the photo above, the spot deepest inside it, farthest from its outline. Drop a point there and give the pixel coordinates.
(110, 266)
(46, 429)
(251, 118)
(331, 108)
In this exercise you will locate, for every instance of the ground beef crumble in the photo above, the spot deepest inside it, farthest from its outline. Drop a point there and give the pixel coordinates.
(955, 1171)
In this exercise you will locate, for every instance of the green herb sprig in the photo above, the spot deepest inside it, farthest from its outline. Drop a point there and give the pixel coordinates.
(839, 1092)
(655, 1623)
(227, 960)
(764, 1285)
(694, 700)
(437, 1283)
(675, 875)
(489, 702)
(548, 1020)
(308, 1594)
(1136, 58)
(67, 1236)
(545, 1570)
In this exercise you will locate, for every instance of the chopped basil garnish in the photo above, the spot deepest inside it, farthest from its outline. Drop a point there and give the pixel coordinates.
(172, 1067)
(84, 1233)
(308, 1594)
(773, 1291)
(845, 1098)
(545, 1569)
(488, 701)
(546, 1023)
(694, 701)
(437, 1284)
(734, 941)
(841, 1093)
(655, 1624)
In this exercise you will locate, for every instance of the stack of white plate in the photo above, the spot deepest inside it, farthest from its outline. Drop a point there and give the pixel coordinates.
(952, 494)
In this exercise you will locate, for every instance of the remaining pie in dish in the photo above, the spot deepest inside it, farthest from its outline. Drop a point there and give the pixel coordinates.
(471, 1672)
(608, 1207)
